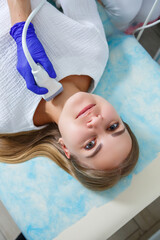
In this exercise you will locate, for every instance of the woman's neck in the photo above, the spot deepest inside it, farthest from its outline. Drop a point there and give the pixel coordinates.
(55, 106)
(47, 112)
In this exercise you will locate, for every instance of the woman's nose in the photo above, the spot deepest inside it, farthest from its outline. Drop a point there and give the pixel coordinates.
(94, 121)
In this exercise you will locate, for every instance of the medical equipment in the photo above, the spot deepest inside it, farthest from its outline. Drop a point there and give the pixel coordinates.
(49, 198)
(146, 21)
(157, 56)
(146, 26)
(40, 75)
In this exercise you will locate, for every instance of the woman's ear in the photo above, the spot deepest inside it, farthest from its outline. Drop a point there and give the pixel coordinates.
(65, 149)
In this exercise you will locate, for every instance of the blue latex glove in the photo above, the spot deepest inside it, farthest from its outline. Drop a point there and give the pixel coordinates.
(37, 52)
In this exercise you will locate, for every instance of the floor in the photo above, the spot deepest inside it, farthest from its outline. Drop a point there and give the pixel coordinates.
(142, 226)
(150, 39)
(8, 228)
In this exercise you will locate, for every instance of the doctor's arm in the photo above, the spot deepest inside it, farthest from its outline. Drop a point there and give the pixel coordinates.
(121, 12)
(19, 12)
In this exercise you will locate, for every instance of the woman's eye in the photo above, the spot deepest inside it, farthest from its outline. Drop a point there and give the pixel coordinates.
(113, 127)
(90, 145)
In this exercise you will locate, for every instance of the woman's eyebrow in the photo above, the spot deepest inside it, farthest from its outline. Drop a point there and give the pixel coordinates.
(118, 133)
(100, 145)
(95, 151)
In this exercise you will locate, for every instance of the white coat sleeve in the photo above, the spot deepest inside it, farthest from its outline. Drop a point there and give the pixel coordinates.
(122, 12)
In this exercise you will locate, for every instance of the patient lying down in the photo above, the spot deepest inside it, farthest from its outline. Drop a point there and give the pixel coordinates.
(78, 130)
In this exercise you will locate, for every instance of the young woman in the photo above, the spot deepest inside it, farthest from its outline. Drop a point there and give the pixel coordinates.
(80, 131)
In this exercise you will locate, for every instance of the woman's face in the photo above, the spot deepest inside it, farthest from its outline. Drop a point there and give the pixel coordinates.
(92, 130)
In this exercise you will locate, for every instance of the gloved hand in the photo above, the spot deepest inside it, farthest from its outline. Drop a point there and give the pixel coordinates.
(37, 52)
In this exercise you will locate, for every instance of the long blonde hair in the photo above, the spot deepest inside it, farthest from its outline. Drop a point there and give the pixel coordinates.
(20, 147)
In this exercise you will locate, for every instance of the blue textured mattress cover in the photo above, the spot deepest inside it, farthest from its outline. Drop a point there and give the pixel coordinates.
(42, 198)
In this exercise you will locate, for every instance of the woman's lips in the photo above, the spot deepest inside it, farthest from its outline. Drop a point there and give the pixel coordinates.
(85, 110)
